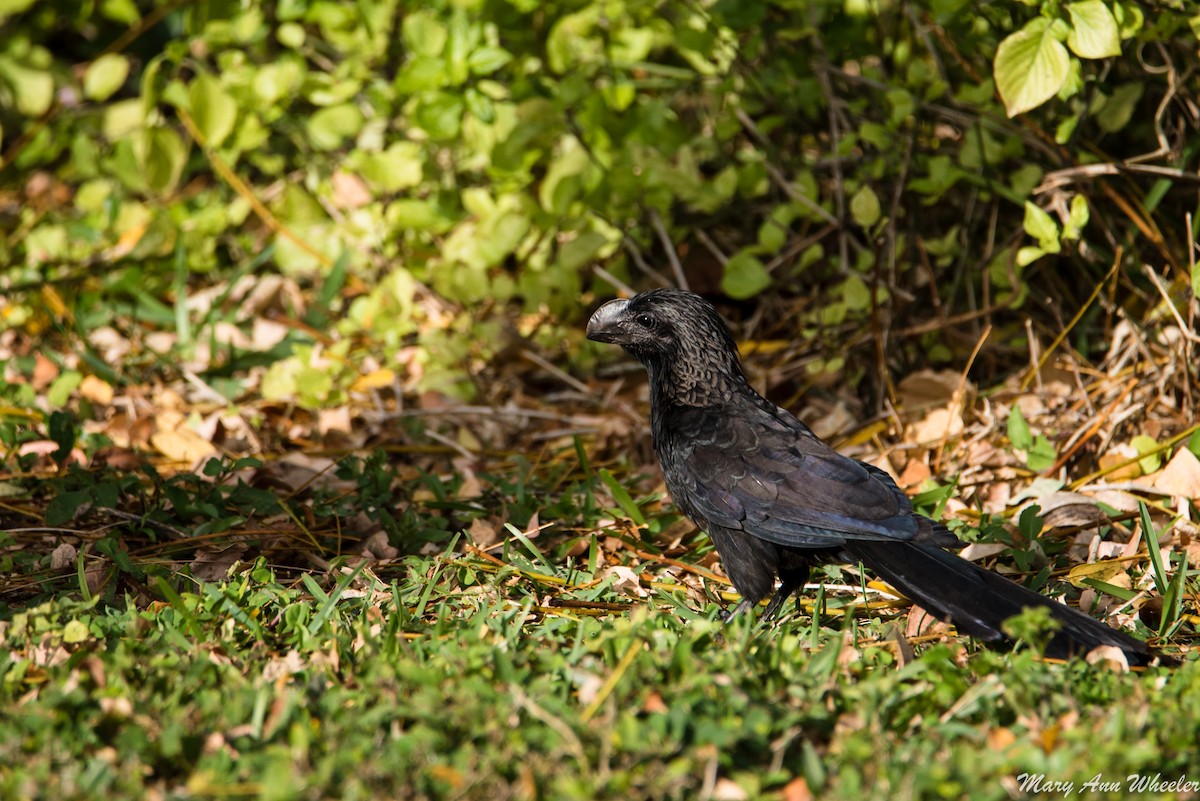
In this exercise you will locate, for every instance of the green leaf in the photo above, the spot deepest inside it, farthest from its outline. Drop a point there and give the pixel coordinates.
(122, 11)
(161, 154)
(564, 177)
(1077, 218)
(488, 59)
(60, 391)
(1041, 226)
(66, 506)
(330, 126)
(1150, 534)
(1042, 455)
(864, 207)
(622, 497)
(104, 76)
(10, 7)
(579, 251)
(1028, 255)
(1018, 430)
(75, 631)
(745, 276)
(1094, 31)
(856, 294)
(440, 115)
(1145, 445)
(423, 33)
(1031, 65)
(1117, 109)
(214, 111)
(34, 88)
(399, 167)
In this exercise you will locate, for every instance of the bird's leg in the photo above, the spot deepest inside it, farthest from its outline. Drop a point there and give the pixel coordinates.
(788, 586)
(743, 606)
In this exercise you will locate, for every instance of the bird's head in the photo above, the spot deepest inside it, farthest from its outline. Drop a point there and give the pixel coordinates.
(678, 335)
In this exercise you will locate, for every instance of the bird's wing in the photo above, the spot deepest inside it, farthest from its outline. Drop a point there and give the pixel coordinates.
(762, 471)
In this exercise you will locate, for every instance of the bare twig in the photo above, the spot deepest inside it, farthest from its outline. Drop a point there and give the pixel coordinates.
(669, 247)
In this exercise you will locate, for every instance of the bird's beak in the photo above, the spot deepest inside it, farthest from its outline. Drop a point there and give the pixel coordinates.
(605, 323)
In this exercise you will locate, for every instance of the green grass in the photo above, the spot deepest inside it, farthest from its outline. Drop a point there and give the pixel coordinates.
(452, 680)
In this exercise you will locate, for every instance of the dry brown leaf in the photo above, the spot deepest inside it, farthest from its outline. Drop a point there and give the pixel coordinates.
(471, 487)
(938, 424)
(1181, 477)
(289, 664)
(828, 422)
(981, 550)
(654, 703)
(336, 419)
(109, 343)
(378, 548)
(797, 790)
(1109, 572)
(1000, 738)
(468, 440)
(212, 562)
(1110, 655)
(921, 622)
(63, 556)
(1119, 454)
(728, 790)
(915, 473)
(482, 533)
(349, 191)
(298, 470)
(266, 334)
(376, 379)
(182, 445)
(625, 581)
(96, 390)
(925, 389)
(44, 371)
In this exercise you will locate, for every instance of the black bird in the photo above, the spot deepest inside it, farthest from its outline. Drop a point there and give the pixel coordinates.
(775, 499)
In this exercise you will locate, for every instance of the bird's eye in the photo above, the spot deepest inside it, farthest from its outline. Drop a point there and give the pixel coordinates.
(644, 320)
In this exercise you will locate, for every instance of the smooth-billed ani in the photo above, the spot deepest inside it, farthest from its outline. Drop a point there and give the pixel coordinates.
(775, 499)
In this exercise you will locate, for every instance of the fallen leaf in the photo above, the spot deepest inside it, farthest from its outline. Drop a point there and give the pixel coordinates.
(915, 473)
(1181, 477)
(482, 533)
(928, 388)
(109, 343)
(44, 371)
(1000, 738)
(1117, 455)
(337, 419)
(349, 191)
(797, 790)
(63, 556)
(97, 390)
(377, 547)
(654, 704)
(182, 445)
(212, 562)
(266, 334)
(728, 790)
(940, 423)
(376, 379)
(1110, 655)
(471, 487)
(1097, 571)
(625, 581)
(981, 550)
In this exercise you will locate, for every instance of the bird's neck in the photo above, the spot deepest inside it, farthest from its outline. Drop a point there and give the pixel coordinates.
(695, 383)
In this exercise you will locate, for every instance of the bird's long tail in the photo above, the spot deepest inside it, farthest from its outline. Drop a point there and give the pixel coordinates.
(979, 601)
